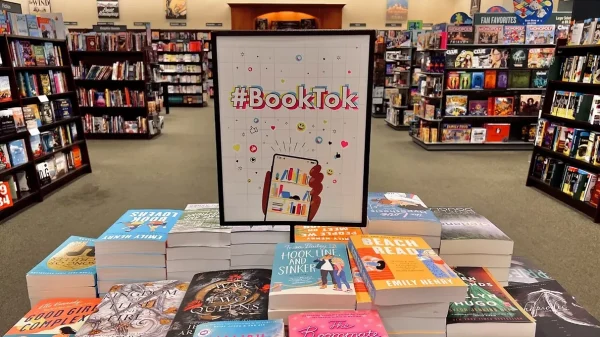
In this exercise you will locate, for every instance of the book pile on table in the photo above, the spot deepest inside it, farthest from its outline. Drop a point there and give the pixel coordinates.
(310, 277)
(402, 214)
(409, 284)
(471, 240)
(336, 323)
(197, 243)
(69, 271)
(253, 246)
(487, 309)
(133, 249)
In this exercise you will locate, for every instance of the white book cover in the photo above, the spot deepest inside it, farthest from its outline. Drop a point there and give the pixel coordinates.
(200, 220)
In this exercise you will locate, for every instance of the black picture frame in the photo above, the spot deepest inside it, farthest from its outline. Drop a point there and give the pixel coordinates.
(292, 33)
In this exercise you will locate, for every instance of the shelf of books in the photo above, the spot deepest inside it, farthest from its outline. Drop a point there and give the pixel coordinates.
(378, 106)
(115, 81)
(485, 92)
(184, 66)
(565, 163)
(42, 147)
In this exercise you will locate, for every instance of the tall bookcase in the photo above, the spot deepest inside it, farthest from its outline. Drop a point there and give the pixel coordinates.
(378, 106)
(38, 184)
(146, 115)
(566, 175)
(195, 64)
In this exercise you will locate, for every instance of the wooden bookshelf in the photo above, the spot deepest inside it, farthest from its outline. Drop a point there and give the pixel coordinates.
(148, 85)
(37, 192)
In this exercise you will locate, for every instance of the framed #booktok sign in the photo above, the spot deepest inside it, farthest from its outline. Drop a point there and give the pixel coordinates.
(292, 125)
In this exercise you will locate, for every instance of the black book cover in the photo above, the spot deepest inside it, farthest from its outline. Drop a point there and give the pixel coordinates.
(556, 312)
(229, 295)
(518, 58)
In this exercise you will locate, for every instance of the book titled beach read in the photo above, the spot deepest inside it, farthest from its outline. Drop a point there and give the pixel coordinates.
(365, 323)
(311, 276)
(73, 262)
(138, 231)
(401, 270)
(393, 213)
(267, 328)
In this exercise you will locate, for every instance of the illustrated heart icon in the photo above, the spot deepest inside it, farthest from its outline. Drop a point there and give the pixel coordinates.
(324, 122)
(236, 147)
(272, 127)
(282, 81)
(344, 144)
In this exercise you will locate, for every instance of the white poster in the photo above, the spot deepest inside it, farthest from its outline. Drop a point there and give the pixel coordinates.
(293, 127)
(39, 6)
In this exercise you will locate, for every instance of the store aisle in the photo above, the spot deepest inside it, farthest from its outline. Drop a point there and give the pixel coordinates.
(179, 168)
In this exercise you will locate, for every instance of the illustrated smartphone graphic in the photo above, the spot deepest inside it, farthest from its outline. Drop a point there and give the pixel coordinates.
(289, 194)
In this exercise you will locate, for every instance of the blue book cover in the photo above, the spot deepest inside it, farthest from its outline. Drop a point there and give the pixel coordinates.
(32, 26)
(142, 225)
(269, 328)
(304, 270)
(75, 256)
(18, 154)
(394, 206)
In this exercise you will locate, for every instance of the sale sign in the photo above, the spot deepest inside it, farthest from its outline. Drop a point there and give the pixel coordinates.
(293, 126)
(5, 196)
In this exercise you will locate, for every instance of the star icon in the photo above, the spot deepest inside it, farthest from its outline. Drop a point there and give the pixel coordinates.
(339, 57)
(242, 54)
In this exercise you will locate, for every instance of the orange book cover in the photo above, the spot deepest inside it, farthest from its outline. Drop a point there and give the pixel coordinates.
(57, 316)
(325, 233)
(363, 300)
(77, 156)
(490, 79)
(400, 262)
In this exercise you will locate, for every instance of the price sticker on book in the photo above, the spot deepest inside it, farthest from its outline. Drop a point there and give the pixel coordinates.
(43, 98)
(5, 196)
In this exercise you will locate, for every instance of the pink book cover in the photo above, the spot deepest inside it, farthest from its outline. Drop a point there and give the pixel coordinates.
(337, 323)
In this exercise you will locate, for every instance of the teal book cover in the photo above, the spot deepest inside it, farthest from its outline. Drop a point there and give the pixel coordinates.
(395, 206)
(311, 268)
(75, 256)
(268, 328)
(32, 25)
(142, 225)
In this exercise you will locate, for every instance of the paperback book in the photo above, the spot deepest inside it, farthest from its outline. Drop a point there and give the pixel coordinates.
(394, 212)
(324, 234)
(337, 323)
(268, 328)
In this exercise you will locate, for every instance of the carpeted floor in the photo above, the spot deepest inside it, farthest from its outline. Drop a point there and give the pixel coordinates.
(179, 167)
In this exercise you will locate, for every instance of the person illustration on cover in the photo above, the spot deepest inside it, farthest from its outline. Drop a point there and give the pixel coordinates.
(339, 274)
(325, 265)
(65, 331)
(496, 58)
(131, 226)
(437, 266)
(373, 263)
(153, 225)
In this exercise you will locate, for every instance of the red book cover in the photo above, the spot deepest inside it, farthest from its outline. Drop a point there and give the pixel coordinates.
(491, 102)
(595, 195)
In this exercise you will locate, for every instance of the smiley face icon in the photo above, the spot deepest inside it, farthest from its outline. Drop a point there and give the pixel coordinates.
(329, 172)
(301, 127)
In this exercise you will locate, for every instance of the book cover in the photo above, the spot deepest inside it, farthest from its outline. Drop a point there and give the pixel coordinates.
(55, 317)
(324, 234)
(539, 79)
(540, 58)
(4, 158)
(268, 328)
(28, 55)
(20, 23)
(229, 295)
(478, 107)
(61, 164)
(463, 223)
(540, 34)
(40, 56)
(453, 81)
(18, 153)
(7, 121)
(399, 262)
(397, 206)
(142, 224)
(5, 92)
(136, 309)
(46, 113)
(504, 106)
(311, 269)
(46, 27)
(337, 323)
(19, 118)
(465, 80)
(530, 105)
(519, 78)
(43, 171)
(75, 256)
(489, 34)
(456, 105)
(32, 25)
(200, 220)
(363, 300)
(502, 80)
(36, 146)
(460, 34)
(490, 79)
(514, 34)
(518, 58)
(63, 108)
(477, 80)
(77, 159)
(46, 86)
(49, 53)
(486, 301)
(47, 141)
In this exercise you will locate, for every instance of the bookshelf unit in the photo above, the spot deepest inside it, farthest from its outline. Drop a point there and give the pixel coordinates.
(136, 119)
(399, 68)
(518, 133)
(551, 181)
(40, 187)
(177, 44)
(378, 106)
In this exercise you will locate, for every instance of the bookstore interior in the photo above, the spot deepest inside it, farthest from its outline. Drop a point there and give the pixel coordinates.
(295, 90)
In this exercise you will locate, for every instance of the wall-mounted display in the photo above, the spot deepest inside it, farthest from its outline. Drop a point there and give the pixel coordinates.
(108, 9)
(397, 11)
(176, 9)
(39, 6)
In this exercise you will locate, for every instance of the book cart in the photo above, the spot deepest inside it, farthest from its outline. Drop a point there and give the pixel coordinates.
(548, 167)
(177, 42)
(150, 110)
(38, 189)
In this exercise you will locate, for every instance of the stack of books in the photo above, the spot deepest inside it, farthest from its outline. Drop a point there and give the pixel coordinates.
(402, 214)
(253, 246)
(197, 243)
(270, 328)
(133, 249)
(310, 277)
(409, 284)
(488, 309)
(471, 240)
(69, 271)
(325, 234)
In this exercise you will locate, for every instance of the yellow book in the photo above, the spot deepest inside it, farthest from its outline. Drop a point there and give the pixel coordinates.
(325, 234)
(404, 270)
(363, 300)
